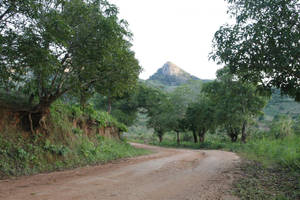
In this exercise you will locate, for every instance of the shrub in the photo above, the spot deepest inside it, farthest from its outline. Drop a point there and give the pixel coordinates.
(282, 126)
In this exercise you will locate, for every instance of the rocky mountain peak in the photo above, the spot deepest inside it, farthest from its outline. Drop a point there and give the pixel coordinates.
(171, 69)
(171, 74)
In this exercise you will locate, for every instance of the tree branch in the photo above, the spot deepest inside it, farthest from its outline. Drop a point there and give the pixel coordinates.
(7, 11)
(64, 59)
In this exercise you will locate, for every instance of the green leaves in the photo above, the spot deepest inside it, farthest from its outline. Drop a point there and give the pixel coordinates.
(282, 126)
(263, 45)
(200, 116)
(66, 46)
(235, 102)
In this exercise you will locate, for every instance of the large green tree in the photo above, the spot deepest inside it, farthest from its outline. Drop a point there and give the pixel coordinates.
(263, 46)
(236, 103)
(51, 47)
(159, 119)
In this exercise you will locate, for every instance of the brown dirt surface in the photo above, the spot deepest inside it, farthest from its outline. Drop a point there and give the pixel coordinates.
(174, 174)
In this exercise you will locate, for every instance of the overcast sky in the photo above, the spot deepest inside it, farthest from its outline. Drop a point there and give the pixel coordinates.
(174, 30)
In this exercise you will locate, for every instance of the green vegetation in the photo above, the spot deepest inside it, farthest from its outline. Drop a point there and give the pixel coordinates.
(56, 57)
(66, 147)
(235, 104)
(225, 103)
(259, 183)
(25, 157)
(270, 167)
(68, 77)
(281, 105)
(199, 118)
(262, 146)
(262, 46)
(272, 146)
(273, 171)
(50, 49)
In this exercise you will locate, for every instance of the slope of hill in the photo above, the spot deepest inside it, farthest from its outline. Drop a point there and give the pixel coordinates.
(281, 105)
(171, 75)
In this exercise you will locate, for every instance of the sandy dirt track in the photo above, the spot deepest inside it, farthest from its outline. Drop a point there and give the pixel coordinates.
(173, 174)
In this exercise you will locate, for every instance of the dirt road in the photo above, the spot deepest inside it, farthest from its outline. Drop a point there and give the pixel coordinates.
(173, 174)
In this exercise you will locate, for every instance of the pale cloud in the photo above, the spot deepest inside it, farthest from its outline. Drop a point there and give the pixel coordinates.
(174, 30)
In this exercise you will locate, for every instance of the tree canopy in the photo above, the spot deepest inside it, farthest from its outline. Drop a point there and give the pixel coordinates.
(263, 46)
(200, 117)
(235, 103)
(156, 104)
(49, 48)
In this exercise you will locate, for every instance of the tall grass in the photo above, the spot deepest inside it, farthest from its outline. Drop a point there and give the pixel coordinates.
(268, 150)
(284, 152)
(64, 147)
(19, 156)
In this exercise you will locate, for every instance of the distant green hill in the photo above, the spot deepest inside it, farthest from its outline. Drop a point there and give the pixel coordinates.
(159, 85)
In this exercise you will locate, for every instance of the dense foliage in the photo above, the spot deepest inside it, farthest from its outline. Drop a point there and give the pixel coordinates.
(236, 103)
(200, 118)
(49, 48)
(263, 45)
(54, 56)
(67, 146)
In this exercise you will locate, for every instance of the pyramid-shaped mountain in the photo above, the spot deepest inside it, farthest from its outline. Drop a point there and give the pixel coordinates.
(171, 74)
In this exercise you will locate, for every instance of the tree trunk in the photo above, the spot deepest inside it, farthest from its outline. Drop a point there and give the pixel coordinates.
(31, 123)
(108, 104)
(195, 136)
(37, 115)
(178, 137)
(201, 136)
(244, 135)
(232, 133)
(82, 102)
(160, 138)
(233, 137)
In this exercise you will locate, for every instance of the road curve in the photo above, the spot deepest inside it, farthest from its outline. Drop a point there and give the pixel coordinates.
(174, 174)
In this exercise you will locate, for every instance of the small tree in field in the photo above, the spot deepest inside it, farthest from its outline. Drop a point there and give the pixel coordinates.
(156, 105)
(282, 126)
(200, 117)
(296, 126)
(179, 101)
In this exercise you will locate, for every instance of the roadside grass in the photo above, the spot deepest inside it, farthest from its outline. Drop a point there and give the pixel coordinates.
(19, 156)
(267, 150)
(270, 167)
(64, 147)
(258, 182)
